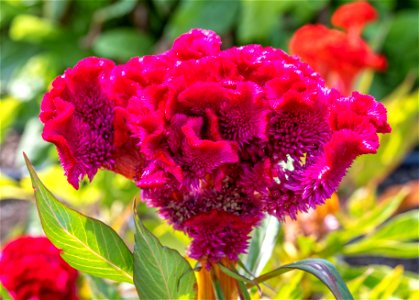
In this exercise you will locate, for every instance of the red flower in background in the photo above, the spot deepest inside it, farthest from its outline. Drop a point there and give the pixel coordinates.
(221, 137)
(32, 268)
(339, 56)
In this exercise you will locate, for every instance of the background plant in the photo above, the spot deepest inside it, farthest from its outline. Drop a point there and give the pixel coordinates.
(42, 38)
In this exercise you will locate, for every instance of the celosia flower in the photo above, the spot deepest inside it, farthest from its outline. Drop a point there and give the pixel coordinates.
(80, 120)
(227, 136)
(32, 268)
(337, 55)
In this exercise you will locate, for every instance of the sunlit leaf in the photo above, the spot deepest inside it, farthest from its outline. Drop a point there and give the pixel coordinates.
(292, 289)
(320, 268)
(31, 28)
(4, 293)
(372, 218)
(10, 189)
(362, 200)
(8, 112)
(399, 228)
(87, 244)
(372, 276)
(386, 288)
(383, 248)
(160, 272)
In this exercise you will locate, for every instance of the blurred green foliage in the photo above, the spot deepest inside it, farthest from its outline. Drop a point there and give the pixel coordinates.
(39, 39)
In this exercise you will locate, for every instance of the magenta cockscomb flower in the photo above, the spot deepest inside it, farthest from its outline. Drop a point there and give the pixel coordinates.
(80, 120)
(221, 137)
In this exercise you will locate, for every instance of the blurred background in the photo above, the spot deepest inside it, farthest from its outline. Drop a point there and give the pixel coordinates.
(369, 229)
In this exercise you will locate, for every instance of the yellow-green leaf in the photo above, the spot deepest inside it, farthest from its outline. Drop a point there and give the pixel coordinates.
(87, 244)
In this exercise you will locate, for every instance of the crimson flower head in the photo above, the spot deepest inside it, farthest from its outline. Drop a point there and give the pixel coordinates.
(339, 56)
(225, 136)
(32, 268)
(81, 121)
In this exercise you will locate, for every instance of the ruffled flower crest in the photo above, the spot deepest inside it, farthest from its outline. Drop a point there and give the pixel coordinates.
(224, 136)
(79, 119)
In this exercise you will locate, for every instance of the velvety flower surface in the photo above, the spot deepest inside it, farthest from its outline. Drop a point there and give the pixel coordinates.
(80, 120)
(225, 136)
(32, 268)
(339, 56)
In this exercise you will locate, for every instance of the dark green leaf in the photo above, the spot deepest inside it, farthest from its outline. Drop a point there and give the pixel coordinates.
(244, 294)
(259, 18)
(218, 291)
(215, 15)
(115, 10)
(122, 44)
(87, 244)
(55, 10)
(160, 272)
(320, 268)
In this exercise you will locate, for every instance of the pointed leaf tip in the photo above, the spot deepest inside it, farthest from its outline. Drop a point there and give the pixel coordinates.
(87, 244)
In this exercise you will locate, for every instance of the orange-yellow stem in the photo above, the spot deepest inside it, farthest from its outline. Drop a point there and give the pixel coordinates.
(206, 279)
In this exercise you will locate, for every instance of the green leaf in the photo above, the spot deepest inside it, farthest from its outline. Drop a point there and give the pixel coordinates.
(215, 15)
(54, 10)
(234, 274)
(122, 44)
(102, 290)
(371, 219)
(218, 291)
(259, 18)
(115, 10)
(32, 29)
(383, 248)
(8, 112)
(262, 244)
(4, 293)
(244, 294)
(320, 268)
(160, 272)
(87, 244)
(399, 228)
(390, 283)
(240, 280)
